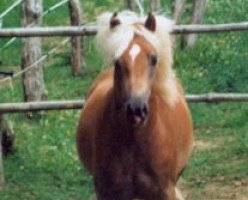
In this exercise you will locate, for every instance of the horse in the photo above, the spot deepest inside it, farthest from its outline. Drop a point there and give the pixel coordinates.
(135, 131)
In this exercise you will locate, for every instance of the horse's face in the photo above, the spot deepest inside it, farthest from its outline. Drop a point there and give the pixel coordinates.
(134, 74)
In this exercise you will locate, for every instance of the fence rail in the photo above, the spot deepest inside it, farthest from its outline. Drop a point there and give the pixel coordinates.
(92, 30)
(39, 106)
(78, 104)
(217, 97)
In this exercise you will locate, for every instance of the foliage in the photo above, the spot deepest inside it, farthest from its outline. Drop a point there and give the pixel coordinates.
(45, 164)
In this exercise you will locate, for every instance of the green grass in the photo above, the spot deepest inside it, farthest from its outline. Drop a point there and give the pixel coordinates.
(45, 164)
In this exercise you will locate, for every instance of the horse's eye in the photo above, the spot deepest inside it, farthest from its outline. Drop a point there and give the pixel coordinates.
(153, 60)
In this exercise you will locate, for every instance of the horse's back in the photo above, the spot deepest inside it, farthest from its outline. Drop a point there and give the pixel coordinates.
(89, 117)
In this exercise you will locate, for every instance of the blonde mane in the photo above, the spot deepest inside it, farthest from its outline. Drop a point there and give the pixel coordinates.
(112, 42)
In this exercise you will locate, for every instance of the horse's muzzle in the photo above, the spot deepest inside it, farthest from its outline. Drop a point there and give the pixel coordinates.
(137, 111)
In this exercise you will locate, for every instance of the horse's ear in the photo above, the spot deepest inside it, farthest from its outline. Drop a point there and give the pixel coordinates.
(150, 22)
(114, 21)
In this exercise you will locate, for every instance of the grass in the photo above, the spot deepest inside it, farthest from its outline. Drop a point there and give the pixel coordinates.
(45, 164)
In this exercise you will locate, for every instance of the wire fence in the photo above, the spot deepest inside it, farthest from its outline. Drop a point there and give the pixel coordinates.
(13, 39)
(33, 65)
(9, 9)
(47, 11)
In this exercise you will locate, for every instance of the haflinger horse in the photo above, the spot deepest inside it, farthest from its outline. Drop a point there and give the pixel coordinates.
(135, 131)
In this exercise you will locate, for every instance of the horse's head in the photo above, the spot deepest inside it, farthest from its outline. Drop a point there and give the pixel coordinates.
(134, 72)
(140, 50)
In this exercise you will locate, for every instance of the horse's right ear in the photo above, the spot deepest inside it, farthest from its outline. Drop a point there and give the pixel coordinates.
(114, 21)
(150, 22)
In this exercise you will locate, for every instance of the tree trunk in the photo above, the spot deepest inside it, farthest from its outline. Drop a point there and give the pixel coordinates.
(196, 18)
(33, 82)
(155, 6)
(77, 59)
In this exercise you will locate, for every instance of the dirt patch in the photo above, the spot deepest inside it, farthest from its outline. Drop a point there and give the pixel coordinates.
(204, 144)
(226, 192)
(218, 187)
(237, 190)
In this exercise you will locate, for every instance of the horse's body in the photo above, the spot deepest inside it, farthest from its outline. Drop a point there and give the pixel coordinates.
(140, 158)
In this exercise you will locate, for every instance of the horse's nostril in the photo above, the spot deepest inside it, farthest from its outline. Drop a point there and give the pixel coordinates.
(145, 111)
(135, 110)
(138, 112)
(130, 110)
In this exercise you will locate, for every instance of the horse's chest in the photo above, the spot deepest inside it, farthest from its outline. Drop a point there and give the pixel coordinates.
(124, 166)
(132, 166)
(134, 176)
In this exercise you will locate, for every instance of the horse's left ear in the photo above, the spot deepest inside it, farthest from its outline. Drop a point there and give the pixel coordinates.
(114, 21)
(150, 22)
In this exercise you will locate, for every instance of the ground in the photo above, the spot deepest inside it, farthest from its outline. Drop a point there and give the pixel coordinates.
(45, 164)
(216, 188)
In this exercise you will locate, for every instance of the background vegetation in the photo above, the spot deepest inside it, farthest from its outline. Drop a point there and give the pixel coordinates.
(45, 164)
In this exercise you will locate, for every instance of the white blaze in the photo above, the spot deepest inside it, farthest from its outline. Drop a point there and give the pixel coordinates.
(134, 52)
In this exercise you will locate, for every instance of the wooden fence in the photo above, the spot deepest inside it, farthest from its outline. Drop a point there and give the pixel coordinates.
(78, 104)
(87, 30)
(30, 17)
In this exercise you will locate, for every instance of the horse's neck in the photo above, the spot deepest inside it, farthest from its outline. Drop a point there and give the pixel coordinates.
(165, 82)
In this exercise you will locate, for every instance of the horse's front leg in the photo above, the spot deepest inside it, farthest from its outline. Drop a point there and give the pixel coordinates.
(111, 187)
(173, 193)
(179, 195)
(169, 192)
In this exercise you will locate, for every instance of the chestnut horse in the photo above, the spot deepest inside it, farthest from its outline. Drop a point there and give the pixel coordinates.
(135, 131)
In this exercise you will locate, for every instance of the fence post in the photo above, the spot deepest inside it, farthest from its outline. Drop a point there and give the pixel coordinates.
(155, 6)
(131, 5)
(77, 59)
(128, 4)
(1, 156)
(196, 18)
(33, 82)
(177, 10)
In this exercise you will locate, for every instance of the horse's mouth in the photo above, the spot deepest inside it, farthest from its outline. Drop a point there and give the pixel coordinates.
(136, 122)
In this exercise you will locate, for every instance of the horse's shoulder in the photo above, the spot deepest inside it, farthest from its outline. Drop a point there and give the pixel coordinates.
(102, 84)
(95, 101)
